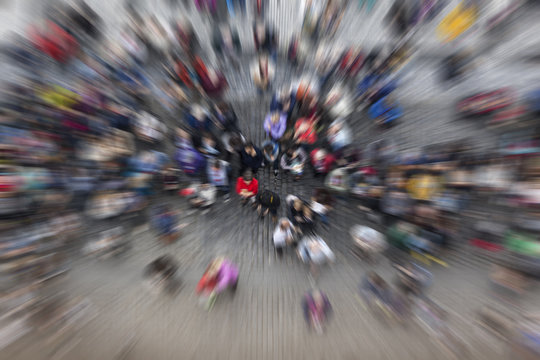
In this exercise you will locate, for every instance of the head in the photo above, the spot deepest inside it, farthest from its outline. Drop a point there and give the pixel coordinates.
(249, 148)
(284, 224)
(263, 61)
(274, 117)
(216, 165)
(248, 176)
(297, 204)
(376, 279)
(320, 155)
(318, 298)
(214, 267)
(197, 112)
(268, 148)
(235, 142)
(208, 139)
(291, 151)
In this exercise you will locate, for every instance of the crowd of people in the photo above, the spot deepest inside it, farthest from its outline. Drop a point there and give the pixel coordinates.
(95, 128)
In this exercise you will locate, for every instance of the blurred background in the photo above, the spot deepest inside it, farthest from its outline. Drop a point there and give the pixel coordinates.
(269, 179)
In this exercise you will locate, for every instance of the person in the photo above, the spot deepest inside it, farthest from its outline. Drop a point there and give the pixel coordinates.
(375, 286)
(206, 5)
(295, 207)
(212, 81)
(220, 275)
(413, 278)
(271, 155)
(269, 201)
(313, 250)
(300, 214)
(264, 38)
(284, 234)
(321, 204)
(210, 147)
(226, 44)
(305, 131)
(190, 160)
(227, 119)
(203, 197)
(160, 274)
(317, 309)
(170, 179)
(198, 119)
(262, 73)
(337, 180)
(231, 6)
(165, 222)
(218, 176)
(385, 111)
(322, 161)
(247, 187)
(252, 157)
(369, 5)
(275, 124)
(339, 135)
(283, 101)
(294, 161)
(186, 37)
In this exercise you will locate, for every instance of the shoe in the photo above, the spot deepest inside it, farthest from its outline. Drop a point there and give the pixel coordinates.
(226, 198)
(276, 173)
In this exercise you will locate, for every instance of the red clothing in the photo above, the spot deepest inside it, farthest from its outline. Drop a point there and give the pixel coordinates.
(183, 74)
(324, 165)
(55, 42)
(357, 65)
(309, 136)
(345, 61)
(252, 187)
(210, 87)
(206, 284)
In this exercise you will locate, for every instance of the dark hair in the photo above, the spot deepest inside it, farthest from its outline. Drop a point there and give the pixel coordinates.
(217, 164)
(248, 174)
(235, 141)
(268, 148)
(249, 144)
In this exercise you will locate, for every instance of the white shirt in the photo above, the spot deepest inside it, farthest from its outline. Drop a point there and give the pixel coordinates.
(281, 236)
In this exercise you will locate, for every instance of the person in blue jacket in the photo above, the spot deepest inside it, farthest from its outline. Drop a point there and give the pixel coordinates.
(385, 111)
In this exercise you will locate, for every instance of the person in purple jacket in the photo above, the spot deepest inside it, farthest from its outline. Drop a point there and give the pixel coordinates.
(220, 275)
(190, 160)
(275, 124)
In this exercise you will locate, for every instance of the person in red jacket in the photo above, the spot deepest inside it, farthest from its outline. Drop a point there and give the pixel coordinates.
(247, 187)
(55, 42)
(305, 131)
(322, 161)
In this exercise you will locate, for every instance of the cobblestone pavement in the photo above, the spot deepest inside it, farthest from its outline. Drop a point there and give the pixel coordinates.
(264, 320)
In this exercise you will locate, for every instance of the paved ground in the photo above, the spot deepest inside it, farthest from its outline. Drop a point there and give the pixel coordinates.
(264, 320)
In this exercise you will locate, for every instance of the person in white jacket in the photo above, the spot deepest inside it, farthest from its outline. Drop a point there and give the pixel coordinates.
(283, 235)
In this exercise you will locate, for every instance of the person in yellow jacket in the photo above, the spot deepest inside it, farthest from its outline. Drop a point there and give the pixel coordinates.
(458, 21)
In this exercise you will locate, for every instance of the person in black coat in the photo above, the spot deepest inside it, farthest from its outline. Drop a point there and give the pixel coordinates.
(269, 201)
(252, 157)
